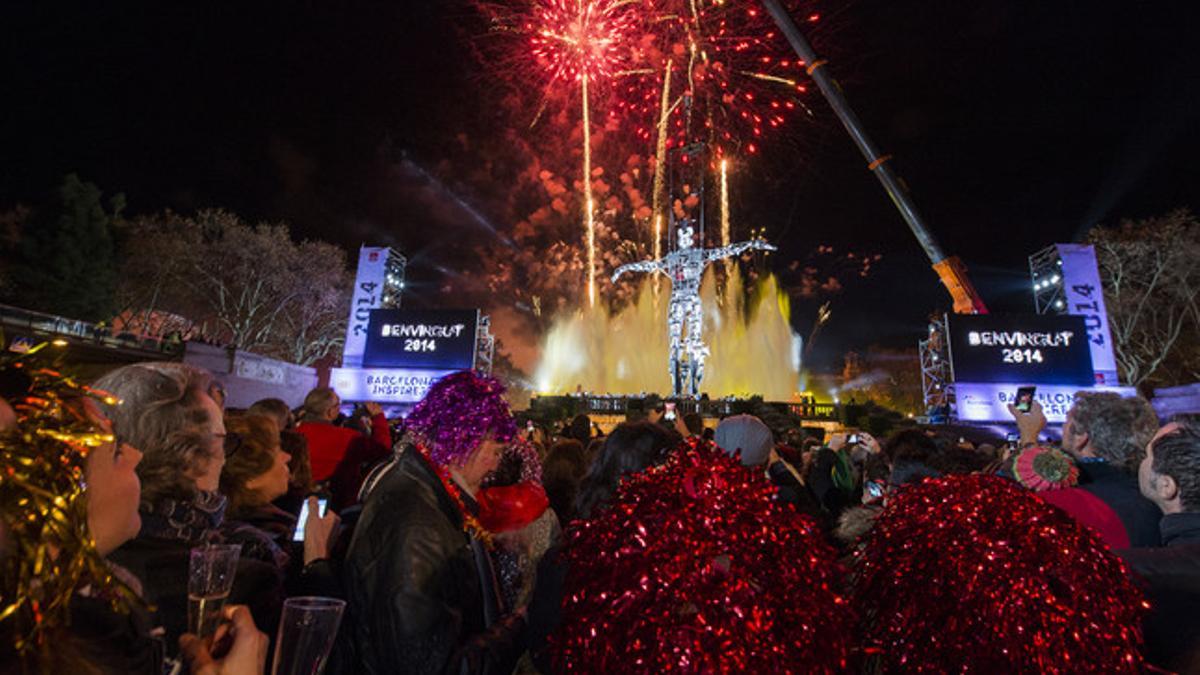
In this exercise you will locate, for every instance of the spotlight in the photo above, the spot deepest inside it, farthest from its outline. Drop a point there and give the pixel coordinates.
(1058, 304)
(59, 342)
(1055, 279)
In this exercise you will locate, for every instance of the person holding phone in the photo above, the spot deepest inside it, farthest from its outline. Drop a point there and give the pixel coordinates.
(1103, 433)
(257, 474)
(1029, 416)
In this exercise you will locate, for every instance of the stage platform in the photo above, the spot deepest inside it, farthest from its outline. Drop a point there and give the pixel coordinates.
(619, 407)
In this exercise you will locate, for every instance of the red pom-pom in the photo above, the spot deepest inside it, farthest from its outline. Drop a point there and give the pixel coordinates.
(695, 568)
(974, 573)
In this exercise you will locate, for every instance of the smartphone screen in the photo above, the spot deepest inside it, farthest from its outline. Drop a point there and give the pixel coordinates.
(1024, 399)
(853, 439)
(298, 533)
(670, 411)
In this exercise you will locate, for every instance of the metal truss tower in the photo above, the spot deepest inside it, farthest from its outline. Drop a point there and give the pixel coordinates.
(1045, 271)
(937, 374)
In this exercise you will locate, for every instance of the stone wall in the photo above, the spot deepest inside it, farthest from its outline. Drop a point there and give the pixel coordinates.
(250, 377)
(1177, 400)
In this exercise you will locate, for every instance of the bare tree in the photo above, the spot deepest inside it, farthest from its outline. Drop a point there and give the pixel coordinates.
(156, 253)
(1151, 283)
(315, 326)
(245, 276)
(250, 286)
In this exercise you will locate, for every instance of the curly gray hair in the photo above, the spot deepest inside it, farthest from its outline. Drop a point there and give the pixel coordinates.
(1117, 428)
(162, 414)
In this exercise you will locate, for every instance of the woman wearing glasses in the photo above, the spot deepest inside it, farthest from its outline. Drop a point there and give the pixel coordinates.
(168, 413)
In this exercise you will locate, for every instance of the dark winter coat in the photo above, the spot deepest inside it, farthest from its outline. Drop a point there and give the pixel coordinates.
(1119, 490)
(1171, 577)
(271, 522)
(792, 491)
(97, 640)
(159, 558)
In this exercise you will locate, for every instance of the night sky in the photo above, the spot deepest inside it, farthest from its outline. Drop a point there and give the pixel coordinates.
(1016, 125)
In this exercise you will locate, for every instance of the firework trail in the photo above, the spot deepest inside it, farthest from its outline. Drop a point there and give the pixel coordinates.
(578, 43)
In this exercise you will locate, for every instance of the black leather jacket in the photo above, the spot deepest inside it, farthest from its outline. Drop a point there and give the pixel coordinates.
(422, 595)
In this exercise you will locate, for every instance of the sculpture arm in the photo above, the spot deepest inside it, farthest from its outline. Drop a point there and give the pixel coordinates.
(737, 249)
(642, 266)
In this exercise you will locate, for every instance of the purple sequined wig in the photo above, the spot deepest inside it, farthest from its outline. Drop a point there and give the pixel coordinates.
(458, 412)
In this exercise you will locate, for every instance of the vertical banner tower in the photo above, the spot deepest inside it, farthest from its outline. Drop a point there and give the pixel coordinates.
(1066, 280)
(378, 284)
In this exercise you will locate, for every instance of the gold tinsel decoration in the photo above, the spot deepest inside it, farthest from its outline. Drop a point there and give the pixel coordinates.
(47, 553)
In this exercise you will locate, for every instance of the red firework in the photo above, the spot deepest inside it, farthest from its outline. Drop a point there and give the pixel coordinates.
(577, 39)
(733, 82)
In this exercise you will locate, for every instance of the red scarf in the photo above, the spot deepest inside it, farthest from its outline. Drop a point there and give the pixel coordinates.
(470, 524)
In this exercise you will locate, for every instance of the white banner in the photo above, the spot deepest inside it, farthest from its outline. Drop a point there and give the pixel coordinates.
(1084, 296)
(988, 402)
(384, 385)
(368, 292)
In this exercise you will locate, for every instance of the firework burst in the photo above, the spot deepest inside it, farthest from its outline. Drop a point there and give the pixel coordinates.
(576, 40)
(724, 67)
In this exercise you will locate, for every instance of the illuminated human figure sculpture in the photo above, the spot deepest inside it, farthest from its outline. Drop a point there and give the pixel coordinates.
(685, 319)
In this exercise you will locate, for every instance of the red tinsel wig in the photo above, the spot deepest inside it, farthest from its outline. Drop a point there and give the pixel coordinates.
(695, 568)
(973, 573)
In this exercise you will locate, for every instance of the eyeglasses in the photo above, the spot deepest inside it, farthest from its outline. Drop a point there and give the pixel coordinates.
(231, 441)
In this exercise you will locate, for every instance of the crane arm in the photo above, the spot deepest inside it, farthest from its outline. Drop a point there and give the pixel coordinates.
(950, 269)
(953, 274)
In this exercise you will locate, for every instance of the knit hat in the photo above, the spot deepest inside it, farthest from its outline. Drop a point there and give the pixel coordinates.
(748, 434)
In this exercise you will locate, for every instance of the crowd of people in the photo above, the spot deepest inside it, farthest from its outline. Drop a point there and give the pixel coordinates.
(465, 541)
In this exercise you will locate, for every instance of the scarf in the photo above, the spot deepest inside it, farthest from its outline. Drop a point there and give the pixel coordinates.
(195, 520)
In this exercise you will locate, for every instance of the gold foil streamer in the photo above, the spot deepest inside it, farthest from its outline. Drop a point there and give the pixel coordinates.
(47, 553)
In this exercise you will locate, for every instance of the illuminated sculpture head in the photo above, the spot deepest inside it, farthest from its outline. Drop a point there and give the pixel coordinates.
(686, 236)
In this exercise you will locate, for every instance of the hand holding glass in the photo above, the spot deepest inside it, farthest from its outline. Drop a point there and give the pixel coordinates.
(210, 578)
